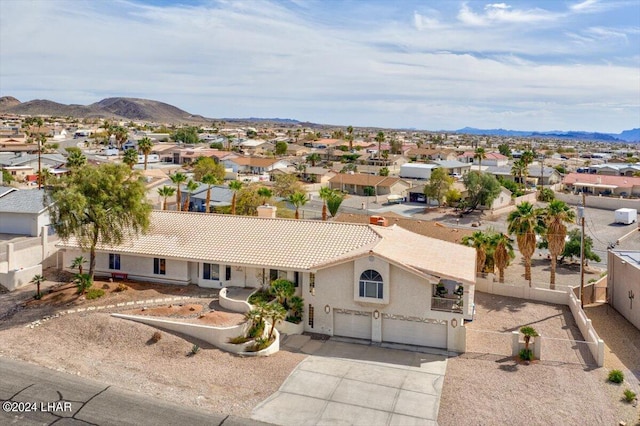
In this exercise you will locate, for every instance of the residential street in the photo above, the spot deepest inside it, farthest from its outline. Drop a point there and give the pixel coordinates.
(33, 395)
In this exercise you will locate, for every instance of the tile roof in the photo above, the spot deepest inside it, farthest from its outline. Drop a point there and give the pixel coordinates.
(4, 190)
(365, 179)
(25, 201)
(619, 181)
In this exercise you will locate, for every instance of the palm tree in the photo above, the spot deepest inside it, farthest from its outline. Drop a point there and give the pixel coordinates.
(520, 170)
(527, 157)
(379, 138)
(350, 137)
(556, 215)
(265, 193)
(525, 222)
(275, 312)
(191, 186)
(502, 252)
(235, 186)
(334, 201)
(209, 180)
(37, 280)
(43, 177)
(145, 146)
(77, 263)
(480, 154)
(178, 178)
(298, 199)
(480, 241)
(325, 194)
(130, 158)
(313, 158)
(76, 159)
(165, 192)
(122, 135)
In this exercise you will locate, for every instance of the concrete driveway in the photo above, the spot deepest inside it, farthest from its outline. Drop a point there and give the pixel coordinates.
(346, 383)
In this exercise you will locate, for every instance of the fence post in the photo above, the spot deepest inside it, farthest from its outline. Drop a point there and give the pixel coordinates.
(537, 347)
(10, 257)
(515, 343)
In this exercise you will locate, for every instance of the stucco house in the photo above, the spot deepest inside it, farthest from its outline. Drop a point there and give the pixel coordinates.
(357, 182)
(22, 212)
(623, 283)
(377, 283)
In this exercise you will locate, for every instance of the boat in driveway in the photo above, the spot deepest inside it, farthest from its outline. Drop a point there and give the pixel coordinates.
(395, 199)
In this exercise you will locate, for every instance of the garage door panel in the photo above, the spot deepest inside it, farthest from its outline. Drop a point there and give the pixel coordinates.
(414, 333)
(352, 325)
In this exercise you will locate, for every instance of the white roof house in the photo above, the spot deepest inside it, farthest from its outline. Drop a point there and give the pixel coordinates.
(326, 260)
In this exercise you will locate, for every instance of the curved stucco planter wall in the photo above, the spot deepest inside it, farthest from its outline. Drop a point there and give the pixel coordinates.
(217, 336)
(287, 327)
(232, 304)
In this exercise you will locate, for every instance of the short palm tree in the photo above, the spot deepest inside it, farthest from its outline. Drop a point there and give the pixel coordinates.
(209, 180)
(121, 135)
(37, 280)
(166, 192)
(480, 241)
(145, 146)
(235, 186)
(77, 263)
(265, 193)
(502, 252)
(520, 171)
(556, 215)
(298, 199)
(191, 186)
(130, 158)
(76, 160)
(275, 313)
(325, 194)
(313, 158)
(480, 154)
(525, 222)
(178, 178)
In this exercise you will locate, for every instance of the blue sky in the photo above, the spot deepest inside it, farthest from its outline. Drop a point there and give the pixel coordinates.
(526, 65)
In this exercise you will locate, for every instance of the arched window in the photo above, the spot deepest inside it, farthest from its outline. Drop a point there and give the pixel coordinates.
(371, 284)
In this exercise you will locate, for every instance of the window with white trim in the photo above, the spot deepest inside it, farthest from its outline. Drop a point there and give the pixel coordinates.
(211, 271)
(159, 266)
(371, 284)
(114, 261)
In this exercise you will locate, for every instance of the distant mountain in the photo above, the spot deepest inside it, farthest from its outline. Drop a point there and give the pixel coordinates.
(263, 120)
(626, 136)
(118, 108)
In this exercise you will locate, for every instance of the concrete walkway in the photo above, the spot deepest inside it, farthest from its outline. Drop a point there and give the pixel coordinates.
(345, 383)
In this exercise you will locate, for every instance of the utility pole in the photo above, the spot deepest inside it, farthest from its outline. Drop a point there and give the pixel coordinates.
(541, 174)
(581, 217)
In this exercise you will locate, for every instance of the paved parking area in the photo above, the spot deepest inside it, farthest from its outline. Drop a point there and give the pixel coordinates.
(345, 383)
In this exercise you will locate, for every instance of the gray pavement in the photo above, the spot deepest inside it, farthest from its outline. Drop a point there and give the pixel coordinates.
(33, 395)
(346, 383)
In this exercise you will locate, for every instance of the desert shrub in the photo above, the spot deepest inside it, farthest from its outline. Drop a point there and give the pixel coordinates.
(546, 195)
(616, 376)
(629, 395)
(94, 293)
(260, 296)
(105, 286)
(121, 287)
(239, 340)
(261, 343)
(156, 337)
(194, 349)
(526, 354)
(256, 330)
(292, 319)
(38, 296)
(83, 282)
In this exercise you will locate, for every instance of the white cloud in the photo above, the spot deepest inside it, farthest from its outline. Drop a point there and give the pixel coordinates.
(504, 13)
(584, 5)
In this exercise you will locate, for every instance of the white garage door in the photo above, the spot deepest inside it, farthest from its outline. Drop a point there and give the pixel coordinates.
(414, 333)
(352, 325)
(15, 223)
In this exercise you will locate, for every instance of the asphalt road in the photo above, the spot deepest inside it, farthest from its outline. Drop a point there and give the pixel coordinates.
(33, 395)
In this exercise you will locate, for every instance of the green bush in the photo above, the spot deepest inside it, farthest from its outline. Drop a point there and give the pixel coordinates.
(616, 376)
(94, 293)
(526, 354)
(239, 340)
(260, 296)
(194, 349)
(256, 330)
(261, 343)
(546, 195)
(629, 395)
(293, 319)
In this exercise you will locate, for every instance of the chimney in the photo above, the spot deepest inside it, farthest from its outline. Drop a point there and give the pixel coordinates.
(267, 211)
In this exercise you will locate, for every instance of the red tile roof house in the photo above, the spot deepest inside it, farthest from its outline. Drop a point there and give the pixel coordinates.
(602, 184)
(357, 182)
(370, 282)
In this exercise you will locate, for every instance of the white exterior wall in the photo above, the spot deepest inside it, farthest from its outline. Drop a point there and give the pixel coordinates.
(624, 280)
(23, 223)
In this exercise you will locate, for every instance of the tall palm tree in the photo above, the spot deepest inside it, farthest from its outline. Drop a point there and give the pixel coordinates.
(178, 178)
(520, 170)
(166, 192)
(313, 158)
(298, 199)
(145, 146)
(121, 135)
(527, 157)
(350, 137)
(77, 263)
(502, 252)
(37, 280)
(480, 154)
(191, 186)
(325, 194)
(525, 222)
(209, 180)
(480, 241)
(556, 215)
(130, 158)
(379, 138)
(235, 186)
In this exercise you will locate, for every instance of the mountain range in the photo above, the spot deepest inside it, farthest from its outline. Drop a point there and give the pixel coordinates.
(160, 112)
